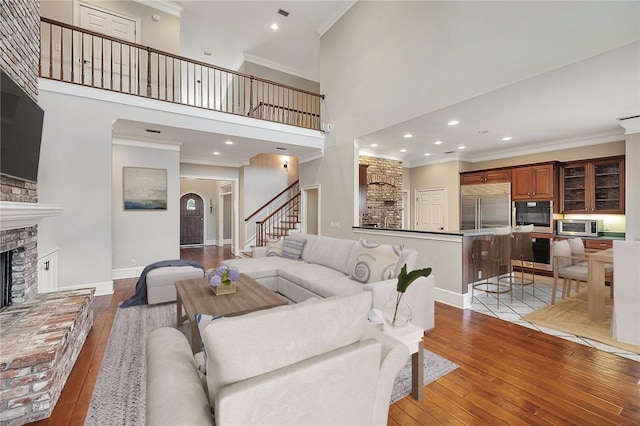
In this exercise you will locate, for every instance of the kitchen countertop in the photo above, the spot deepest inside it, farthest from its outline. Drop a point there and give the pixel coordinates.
(604, 236)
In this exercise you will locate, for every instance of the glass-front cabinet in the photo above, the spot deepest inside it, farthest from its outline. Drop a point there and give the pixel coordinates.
(593, 187)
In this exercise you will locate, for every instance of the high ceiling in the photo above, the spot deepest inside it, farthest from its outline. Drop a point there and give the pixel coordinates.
(572, 106)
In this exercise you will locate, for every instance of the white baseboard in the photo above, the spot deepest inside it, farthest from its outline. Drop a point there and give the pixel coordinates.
(102, 289)
(462, 301)
(211, 242)
(227, 241)
(118, 274)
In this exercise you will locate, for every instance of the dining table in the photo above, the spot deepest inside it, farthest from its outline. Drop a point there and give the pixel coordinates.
(597, 262)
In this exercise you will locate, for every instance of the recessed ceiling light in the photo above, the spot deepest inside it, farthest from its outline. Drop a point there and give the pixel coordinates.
(229, 142)
(403, 150)
(506, 138)
(461, 147)
(426, 154)
(274, 26)
(216, 153)
(407, 135)
(437, 143)
(453, 122)
(374, 145)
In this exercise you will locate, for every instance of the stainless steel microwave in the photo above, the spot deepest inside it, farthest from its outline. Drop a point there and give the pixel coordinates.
(579, 227)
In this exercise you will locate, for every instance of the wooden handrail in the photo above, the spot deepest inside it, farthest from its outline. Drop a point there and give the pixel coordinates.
(271, 200)
(89, 58)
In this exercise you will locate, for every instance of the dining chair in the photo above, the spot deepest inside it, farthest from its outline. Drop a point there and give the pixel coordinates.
(568, 267)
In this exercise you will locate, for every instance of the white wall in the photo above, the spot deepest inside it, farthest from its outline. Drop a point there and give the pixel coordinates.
(387, 62)
(264, 178)
(76, 172)
(142, 237)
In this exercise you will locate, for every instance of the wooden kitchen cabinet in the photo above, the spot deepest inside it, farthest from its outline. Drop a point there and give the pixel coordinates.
(533, 182)
(595, 186)
(598, 244)
(485, 176)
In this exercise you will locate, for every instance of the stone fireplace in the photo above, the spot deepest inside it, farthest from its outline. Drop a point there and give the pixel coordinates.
(41, 334)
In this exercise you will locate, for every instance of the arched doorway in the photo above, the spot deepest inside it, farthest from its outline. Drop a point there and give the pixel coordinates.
(191, 219)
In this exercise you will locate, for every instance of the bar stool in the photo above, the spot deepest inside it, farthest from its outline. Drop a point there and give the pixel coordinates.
(494, 257)
(522, 251)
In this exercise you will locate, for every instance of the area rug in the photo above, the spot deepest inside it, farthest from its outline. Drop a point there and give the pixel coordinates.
(571, 315)
(120, 392)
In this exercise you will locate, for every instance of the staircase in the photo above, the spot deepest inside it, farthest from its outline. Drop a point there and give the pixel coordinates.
(274, 219)
(280, 222)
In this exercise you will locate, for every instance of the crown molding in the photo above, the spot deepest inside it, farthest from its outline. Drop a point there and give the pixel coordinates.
(630, 124)
(276, 66)
(326, 25)
(165, 6)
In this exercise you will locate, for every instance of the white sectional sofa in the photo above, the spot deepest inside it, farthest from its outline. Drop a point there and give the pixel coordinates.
(313, 363)
(324, 270)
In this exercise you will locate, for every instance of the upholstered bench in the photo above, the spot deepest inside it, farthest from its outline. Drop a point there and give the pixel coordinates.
(161, 282)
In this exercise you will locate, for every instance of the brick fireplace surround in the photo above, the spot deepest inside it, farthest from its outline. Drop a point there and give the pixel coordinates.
(41, 335)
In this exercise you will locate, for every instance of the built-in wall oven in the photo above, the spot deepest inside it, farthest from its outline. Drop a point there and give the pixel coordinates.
(540, 215)
(536, 213)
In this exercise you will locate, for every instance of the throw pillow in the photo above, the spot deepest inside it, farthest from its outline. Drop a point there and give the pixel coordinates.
(274, 246)
(292, 248)
(376, 262)
(201, 322)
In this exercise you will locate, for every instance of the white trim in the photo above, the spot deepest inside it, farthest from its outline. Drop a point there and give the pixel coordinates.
(118, 274)
(448, 297)
(165, 6)
(227, 241)
(326, 25)
(169, 146)
(188, 160)
(102, 289)
(630, 125)
(303, 209)
(210, 242)
(247, 57)
(303, 137)
(15, 215)
(406, 213)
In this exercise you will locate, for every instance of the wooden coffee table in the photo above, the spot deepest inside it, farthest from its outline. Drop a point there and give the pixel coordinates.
(196, 297)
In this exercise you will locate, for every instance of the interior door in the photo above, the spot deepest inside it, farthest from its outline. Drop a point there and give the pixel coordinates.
(431, 209)
(191, 219)
(108, 64)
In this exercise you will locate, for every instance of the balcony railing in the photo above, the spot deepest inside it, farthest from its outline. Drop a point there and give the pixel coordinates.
(75, 55)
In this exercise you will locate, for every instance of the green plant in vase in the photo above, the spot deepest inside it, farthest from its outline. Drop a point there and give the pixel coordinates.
(404, 281)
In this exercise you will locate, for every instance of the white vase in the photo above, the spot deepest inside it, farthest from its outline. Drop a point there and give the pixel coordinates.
(396, 317)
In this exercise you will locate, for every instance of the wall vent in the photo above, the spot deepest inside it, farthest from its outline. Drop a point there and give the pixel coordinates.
(283, 12)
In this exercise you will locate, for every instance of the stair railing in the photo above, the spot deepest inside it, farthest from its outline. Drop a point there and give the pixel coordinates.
(265, 210)
(280, 222)
(75, 55)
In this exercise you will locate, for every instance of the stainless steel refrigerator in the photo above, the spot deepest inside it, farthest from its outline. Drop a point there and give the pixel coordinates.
(485, 206)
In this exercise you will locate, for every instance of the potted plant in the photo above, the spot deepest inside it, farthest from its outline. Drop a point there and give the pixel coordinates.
(222, 279)
(397, 313)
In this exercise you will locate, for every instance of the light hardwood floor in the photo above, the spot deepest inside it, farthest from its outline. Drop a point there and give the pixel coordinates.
(508, 374)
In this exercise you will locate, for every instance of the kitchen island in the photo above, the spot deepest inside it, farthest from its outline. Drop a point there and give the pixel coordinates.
(448, 253)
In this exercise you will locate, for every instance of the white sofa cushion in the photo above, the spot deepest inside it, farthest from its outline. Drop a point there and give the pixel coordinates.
(274, 246)
(342, 286)
(304, 274)
(376, 262)
(331, 252)
(292, 333)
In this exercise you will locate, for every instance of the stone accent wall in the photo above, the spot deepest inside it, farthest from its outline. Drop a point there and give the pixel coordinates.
(41, 340)
(384, 192)
(19, 58)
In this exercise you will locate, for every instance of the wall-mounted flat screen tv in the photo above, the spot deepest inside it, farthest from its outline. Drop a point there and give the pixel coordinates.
(21, 132)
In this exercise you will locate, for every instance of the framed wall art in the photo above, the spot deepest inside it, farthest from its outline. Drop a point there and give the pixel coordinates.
(144, 188)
